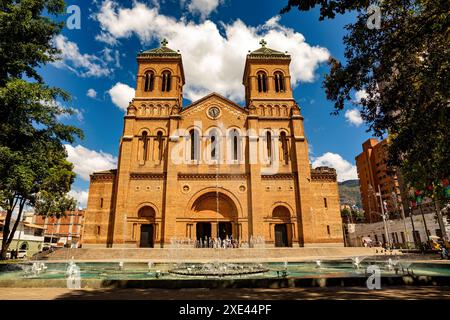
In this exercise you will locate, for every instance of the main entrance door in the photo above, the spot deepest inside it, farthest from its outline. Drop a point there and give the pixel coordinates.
(203, 230)
(281, 239)
(224, 230)
(146, 236)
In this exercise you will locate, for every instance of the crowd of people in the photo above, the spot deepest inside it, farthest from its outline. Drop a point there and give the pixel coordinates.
(209, 242)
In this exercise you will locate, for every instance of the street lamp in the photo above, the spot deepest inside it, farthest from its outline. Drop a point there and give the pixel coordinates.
(395, 200)
(383, 214)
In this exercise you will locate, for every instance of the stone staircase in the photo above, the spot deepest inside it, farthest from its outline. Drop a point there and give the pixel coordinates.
(199, 255)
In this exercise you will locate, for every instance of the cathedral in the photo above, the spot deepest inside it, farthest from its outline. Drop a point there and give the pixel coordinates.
(213, 169)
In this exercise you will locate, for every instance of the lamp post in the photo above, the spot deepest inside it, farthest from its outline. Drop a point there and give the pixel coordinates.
(370, 189)
(402, 212)
(384, 216)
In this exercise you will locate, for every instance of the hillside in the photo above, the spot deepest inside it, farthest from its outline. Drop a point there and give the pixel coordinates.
(349, 192)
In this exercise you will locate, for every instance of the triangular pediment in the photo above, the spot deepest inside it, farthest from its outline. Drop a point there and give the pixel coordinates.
(211, 98)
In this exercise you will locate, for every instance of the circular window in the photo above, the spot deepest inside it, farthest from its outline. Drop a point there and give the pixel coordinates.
(186, 188)
(241, 188)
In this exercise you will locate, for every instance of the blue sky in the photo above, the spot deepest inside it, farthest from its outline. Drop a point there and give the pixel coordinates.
(100, 59)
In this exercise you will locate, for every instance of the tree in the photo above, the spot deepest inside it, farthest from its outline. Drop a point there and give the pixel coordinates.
(33, 166)
(403, 69)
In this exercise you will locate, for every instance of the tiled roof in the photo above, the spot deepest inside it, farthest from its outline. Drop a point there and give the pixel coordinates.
(264, 51)
(161, 51)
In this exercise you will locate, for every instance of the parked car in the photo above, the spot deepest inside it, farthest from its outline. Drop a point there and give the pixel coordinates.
(47, 249)
(22, 254)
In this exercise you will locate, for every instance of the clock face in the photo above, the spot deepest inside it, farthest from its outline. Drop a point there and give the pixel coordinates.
(214, 112)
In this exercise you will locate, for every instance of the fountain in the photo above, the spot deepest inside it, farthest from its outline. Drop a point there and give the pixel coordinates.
(37, 268)
(406, 268)
(121, 265)
(392, 265)
(73, 276)
(218, 269)
(356, 262)
(318, 264)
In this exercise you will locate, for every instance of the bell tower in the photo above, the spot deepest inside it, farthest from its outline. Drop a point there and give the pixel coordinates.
(160, 74)
(266, 75)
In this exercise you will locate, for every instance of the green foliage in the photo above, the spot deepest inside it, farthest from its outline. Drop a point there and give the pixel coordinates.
(349, 193)
(328, 9)
(25, 36)
(33, 166)
(405, 69)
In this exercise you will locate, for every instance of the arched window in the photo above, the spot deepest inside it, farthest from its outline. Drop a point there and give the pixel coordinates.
(262, 81)
(149, 81)
(284, 147)
(279, 82)
(235, 139)
(166, 80)
(146, 212)
(145, 144)
(159, 139)
(269, 145)
(214, 143)
(195, 147)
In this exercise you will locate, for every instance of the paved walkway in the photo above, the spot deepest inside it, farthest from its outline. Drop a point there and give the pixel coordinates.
(415, 293)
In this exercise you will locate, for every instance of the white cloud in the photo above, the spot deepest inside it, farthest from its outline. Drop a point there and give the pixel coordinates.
(213, 54)
(84, 65)
(202, 7)
(353, 116)
(87, 161)
(344, 169)
(361, 94)
(106, 38)
(81, 196)
(121, 95)
(111, 56)
(92, 93)
(78, 114)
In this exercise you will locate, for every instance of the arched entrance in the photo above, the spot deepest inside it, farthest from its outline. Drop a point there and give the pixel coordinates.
(215, 216)
(147, 232)
(282, 226)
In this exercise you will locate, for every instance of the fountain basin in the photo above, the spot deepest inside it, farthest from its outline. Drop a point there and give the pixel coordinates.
(219, 270)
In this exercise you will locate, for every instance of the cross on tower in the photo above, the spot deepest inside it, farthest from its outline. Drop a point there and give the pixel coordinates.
(164, 42)
(263, 43)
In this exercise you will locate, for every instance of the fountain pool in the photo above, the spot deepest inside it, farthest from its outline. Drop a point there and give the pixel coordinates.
(219, 270)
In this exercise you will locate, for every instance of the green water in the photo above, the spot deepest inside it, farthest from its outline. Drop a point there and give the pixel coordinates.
(141, 271)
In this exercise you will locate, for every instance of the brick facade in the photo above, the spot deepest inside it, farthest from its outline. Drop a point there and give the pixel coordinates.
(213, 168)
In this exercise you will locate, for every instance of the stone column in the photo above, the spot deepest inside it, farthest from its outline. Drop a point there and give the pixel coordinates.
(214, 233)
(305, 232)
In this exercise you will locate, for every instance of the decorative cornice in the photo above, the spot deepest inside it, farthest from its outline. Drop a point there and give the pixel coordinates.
(279, 176)
(147, 176)
(103, 176)
(323, 174)
(212, 176)
(272, 118)
(138, 117)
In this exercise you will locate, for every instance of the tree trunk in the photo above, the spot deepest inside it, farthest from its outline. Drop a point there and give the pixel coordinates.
(8, 234)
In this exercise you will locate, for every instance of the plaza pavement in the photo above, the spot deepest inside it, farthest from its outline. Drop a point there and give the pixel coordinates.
(335, 293)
